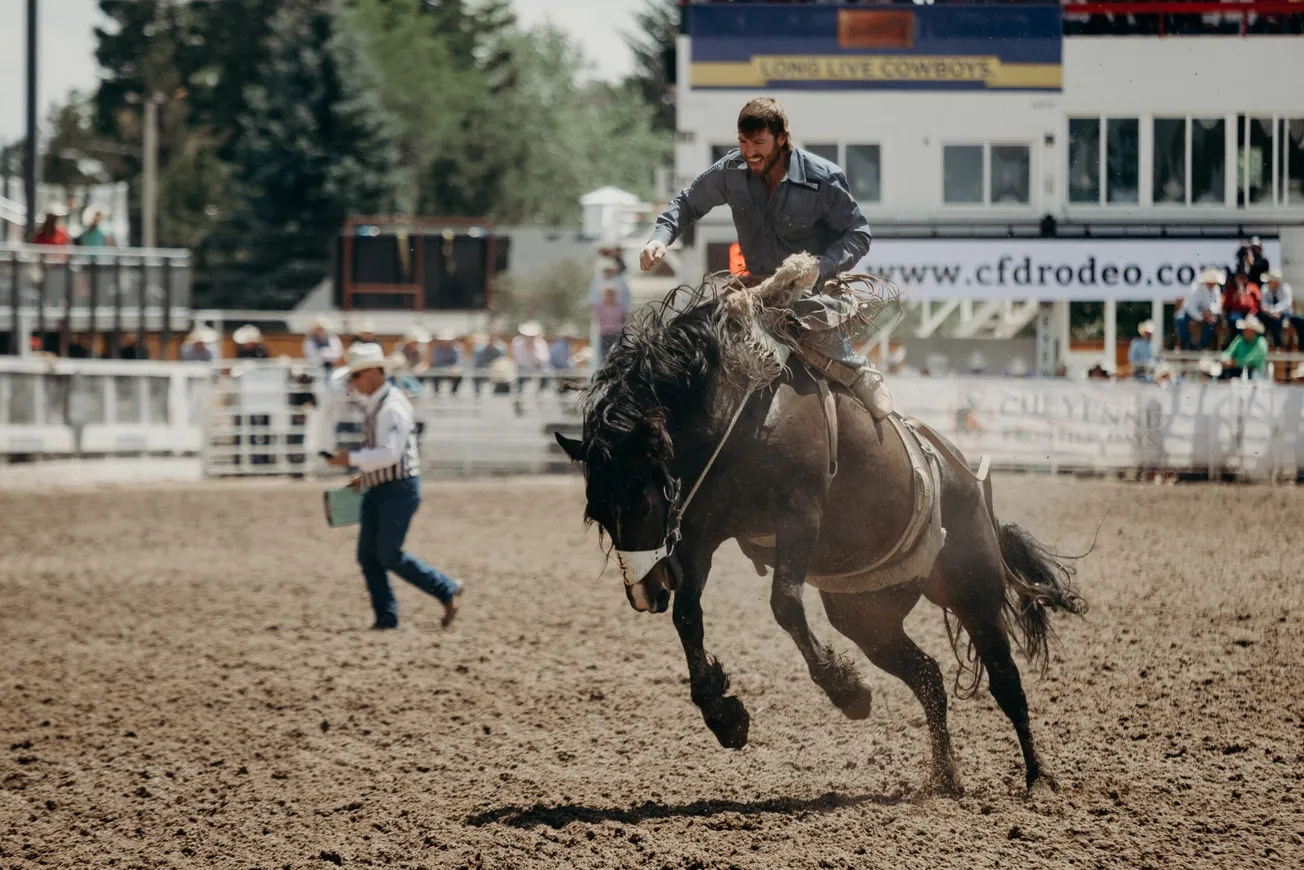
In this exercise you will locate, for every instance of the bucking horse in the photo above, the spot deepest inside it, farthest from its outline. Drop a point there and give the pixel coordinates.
(709, 422)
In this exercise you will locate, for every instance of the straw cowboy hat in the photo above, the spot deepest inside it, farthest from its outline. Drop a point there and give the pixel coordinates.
(202, 335)
(1298, 373)
(247, 334)
(1213, 276)
(1273, 275)
(1017, 368)
(1254, 323)
(367, 327)
(366, 355)
(321, 322)
(1147, 327)
(417, 334)
(1210, 366)
(530, 329)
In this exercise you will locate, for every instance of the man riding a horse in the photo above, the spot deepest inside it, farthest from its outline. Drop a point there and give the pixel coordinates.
(785, 200)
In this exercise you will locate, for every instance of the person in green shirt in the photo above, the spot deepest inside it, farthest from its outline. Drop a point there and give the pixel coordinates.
(1248, 352)
(93, 236)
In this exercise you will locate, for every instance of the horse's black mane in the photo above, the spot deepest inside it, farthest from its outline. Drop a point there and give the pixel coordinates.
(659, 370)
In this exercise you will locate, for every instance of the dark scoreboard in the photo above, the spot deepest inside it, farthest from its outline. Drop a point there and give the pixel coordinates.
(417, 264)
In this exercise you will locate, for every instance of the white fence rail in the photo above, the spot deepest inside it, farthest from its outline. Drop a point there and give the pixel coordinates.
(80, 408)
(269, 418)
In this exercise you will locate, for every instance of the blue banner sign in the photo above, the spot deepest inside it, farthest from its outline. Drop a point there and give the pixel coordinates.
(818, 47)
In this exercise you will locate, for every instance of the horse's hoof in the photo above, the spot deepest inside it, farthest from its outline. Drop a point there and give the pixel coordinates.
(730, 723)
(859, 705)
(946, 785)
(1043, 779)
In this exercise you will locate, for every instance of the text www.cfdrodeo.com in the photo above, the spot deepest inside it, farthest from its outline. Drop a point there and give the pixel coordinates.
(1024, 272)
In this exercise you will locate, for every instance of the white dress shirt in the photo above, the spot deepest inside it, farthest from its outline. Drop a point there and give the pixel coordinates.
(389, 436)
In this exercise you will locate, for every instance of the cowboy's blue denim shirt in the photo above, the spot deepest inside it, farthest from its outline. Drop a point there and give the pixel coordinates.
(811, 210)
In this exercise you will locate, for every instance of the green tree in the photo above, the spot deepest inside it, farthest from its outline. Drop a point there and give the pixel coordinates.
(316, 145)
(653, 45)
(555, 297)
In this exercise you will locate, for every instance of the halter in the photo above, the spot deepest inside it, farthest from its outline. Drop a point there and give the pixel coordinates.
(635, 564)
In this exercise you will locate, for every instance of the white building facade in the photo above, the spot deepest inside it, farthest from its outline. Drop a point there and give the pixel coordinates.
(1121, 139)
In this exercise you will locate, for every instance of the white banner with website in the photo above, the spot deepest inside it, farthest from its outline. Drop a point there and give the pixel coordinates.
(1250, 427)
(1080, 270)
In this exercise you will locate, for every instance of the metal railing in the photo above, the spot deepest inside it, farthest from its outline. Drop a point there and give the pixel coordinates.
(91, 290)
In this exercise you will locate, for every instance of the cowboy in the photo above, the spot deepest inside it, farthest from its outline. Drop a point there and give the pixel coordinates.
(785, 200)
(1203, 305)
(321, 346)
(390, 474)
(1141, 354)
(1248, 352)
(1277, 307)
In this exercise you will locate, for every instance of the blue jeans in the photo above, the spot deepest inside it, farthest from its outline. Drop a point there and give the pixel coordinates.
(387, 510)
(1184, 334)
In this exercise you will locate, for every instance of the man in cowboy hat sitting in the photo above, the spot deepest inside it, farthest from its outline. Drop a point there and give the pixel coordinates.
(1248, 352)
(1203, 305)
(390, 472)
(1141, 354)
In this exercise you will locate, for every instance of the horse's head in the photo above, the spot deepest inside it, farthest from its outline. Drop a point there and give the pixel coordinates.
(633, 497)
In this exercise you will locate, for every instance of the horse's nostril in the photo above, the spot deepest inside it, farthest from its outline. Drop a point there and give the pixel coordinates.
(663, 600)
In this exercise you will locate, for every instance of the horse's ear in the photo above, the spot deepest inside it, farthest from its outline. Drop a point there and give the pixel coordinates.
(572, 448)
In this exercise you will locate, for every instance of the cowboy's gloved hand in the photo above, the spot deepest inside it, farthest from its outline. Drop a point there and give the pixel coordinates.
(652, 253)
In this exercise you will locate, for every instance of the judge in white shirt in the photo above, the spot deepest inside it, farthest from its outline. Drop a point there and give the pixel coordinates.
(321, 347)
(390, 473)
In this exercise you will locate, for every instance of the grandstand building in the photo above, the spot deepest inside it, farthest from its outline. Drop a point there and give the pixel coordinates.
(1013, 157)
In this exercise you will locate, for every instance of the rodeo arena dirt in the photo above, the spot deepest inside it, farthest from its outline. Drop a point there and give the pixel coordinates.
(189, 682)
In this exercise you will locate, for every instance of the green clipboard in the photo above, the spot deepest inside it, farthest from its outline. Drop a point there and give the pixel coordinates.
(343, 506)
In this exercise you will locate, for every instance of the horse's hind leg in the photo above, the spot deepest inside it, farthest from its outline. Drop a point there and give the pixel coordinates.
(974, 586)
(874, 622)
(833, 673)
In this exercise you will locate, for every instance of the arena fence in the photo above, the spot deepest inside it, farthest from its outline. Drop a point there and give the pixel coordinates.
(271, 418)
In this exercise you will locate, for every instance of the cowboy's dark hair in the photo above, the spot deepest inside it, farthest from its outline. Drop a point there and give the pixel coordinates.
(762, 113)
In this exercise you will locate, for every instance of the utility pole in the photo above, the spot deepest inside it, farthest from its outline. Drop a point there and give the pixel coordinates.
(149, 195)
(29, 167)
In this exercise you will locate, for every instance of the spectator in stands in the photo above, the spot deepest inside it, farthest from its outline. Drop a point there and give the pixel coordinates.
(321, 346)
(1141, 354)
(1277, 307)
(610, 315)
(93, 236)
(366, 333)
(412, 353)
(448, 358)
(613, 275)
(529, 352)
(249, 343)
(1253, 263)
(1017, 368)
(1248, 351)
(52, 231)
(1202, 306)
(976, 364)
(485, 351)
(198, 345)
(1240, 299)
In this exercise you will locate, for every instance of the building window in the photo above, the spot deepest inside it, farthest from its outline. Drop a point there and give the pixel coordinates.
(1169, 173)
(1122, 158)
(827, 152)
(1010, 174)
(1254, 173)
(1118, 162)
(1208, 161)
(863, 168)
(1084, 160)
(1290, 138)
(719, 151)
(986, 174)
(962, 174)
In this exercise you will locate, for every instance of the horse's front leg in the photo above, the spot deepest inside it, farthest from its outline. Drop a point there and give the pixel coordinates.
(835, 674)
(725, 715)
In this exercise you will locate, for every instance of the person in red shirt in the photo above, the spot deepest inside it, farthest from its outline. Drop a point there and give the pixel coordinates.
(1241, 299)
(52, 231)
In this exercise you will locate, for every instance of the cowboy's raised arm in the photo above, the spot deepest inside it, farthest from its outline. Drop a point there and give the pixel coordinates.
(692, 203)
(842, 214)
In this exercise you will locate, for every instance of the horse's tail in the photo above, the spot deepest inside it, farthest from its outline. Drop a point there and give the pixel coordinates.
(1037, 581)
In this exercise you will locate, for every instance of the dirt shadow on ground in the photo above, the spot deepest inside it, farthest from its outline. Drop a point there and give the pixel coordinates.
(561, 815)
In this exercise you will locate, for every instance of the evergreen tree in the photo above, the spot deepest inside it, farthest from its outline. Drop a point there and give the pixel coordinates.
(653, 45)
(316, 145)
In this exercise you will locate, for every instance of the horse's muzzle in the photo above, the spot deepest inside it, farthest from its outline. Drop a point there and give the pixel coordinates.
(652, 593)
